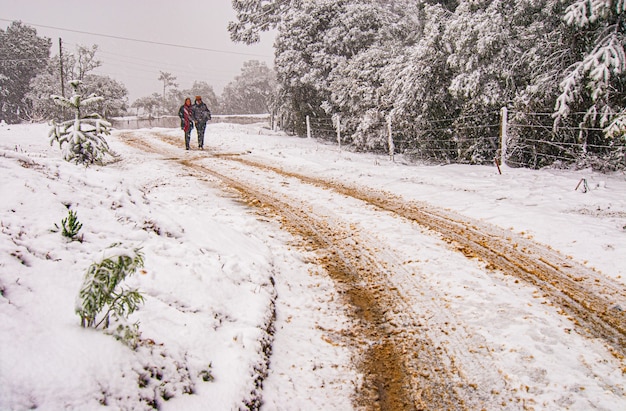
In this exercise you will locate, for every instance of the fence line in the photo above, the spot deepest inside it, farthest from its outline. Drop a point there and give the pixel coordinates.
(505, 142)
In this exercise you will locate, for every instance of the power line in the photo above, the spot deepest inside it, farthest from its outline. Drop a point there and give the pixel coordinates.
(140, 41)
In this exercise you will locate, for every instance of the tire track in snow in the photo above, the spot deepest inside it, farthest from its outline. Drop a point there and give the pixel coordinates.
(586, 296)
(403, 367)
(592, 300)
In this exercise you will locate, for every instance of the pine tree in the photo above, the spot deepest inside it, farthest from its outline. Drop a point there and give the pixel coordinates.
(81, 139)
(598, 78)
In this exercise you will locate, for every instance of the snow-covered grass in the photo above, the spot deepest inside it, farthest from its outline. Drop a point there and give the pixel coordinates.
(217, 279)
(207, 282)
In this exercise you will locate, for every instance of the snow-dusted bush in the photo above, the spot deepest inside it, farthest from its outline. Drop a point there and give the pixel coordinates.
(102, 296)
(82, 138)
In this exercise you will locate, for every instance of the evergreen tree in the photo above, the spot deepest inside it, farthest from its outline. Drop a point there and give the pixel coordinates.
(81, 139)
(418, 78)
(599, 75)
(316, 43)
(368, 37)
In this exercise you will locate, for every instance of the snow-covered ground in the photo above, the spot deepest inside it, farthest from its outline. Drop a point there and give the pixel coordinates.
(216, 274)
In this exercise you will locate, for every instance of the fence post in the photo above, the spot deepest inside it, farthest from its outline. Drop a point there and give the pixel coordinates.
(308, 127)
(392, 147)
(338, 125)
(504, 114)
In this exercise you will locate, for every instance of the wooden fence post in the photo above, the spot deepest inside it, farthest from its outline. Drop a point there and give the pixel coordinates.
(504, 114)
(338, 125)
(392, 147)
(308, 127)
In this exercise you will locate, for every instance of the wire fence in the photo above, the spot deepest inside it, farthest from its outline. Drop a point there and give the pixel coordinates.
(518, 139)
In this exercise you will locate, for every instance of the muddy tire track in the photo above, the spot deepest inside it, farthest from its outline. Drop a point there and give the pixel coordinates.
(393, 378)
(593, 301)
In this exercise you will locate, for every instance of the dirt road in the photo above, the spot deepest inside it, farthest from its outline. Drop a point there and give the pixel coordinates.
(414, 348)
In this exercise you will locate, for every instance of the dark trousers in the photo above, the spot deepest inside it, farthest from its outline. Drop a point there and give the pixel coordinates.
(187, 138)
(200, 127)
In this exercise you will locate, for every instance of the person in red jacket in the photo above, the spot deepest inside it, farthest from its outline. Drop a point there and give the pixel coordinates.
(186, 120)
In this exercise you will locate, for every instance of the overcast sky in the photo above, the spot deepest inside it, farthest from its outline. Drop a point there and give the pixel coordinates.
(191, 23)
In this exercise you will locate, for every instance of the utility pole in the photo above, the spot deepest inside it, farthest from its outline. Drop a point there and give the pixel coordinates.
(61, 63)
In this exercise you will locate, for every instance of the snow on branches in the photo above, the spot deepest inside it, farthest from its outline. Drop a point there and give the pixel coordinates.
(82, 138)
(600, 69)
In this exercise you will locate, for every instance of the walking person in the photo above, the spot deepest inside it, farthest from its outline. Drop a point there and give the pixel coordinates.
(201, 114)
(186, 120)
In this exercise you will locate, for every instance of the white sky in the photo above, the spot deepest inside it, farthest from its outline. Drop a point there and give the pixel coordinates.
(193, 23)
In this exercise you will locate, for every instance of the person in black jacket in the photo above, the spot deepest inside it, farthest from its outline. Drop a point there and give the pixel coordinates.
(201, 114)
(186, 120)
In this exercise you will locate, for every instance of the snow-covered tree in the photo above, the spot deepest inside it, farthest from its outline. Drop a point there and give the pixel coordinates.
(315, 47)
(114, 94)
(253, 91)
(598, 78)
(203, 89)
(149, 104)
(302, 63)
(443, 69)
(23, 55)
(418, 78)
(254, 17)
(81, 139)
(79, 65)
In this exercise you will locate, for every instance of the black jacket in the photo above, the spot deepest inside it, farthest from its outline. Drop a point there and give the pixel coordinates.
(201, 112)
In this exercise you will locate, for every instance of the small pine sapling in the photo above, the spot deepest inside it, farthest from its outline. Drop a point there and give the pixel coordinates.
(81, 139)
(70, 226)
(102, 297)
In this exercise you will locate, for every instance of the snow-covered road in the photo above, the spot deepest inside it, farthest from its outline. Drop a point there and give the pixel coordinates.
(284, 274)
(404, 270)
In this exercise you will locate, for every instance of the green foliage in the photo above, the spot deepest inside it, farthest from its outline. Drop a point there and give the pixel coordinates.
(81, 139)
(71, 226)
(102, 297)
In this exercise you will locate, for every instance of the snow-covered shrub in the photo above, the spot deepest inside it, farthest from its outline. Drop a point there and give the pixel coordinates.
(102, 296)
(82, 138)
